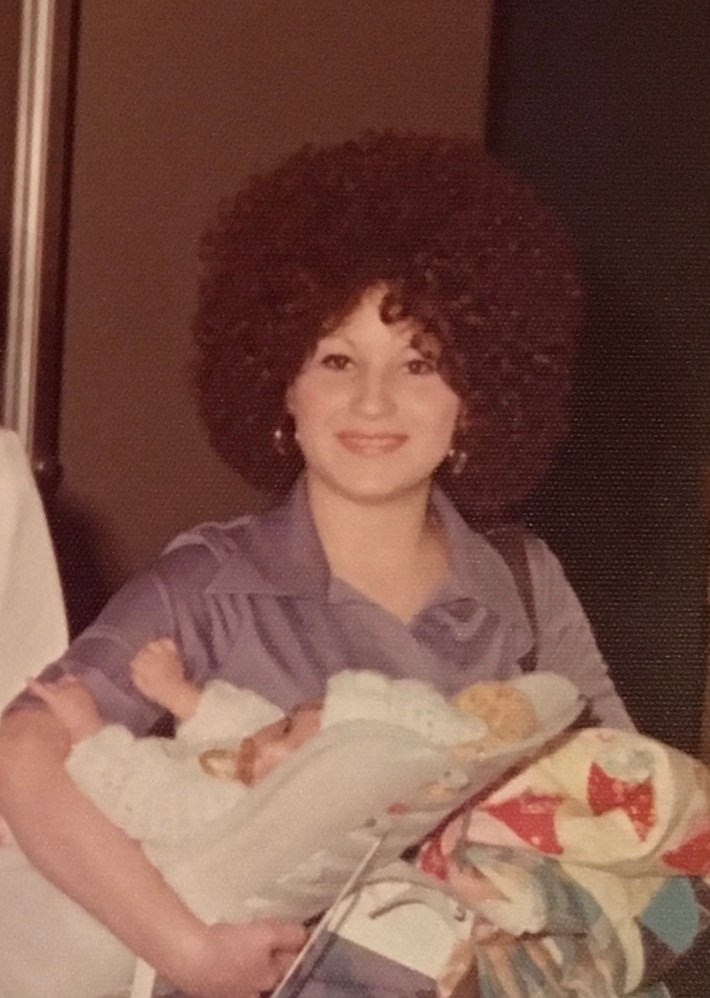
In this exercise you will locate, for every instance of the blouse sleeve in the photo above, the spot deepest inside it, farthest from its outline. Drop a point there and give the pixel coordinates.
(566, 644)
(165, 602)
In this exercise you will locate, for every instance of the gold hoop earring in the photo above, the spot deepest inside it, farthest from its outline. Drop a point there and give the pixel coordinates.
(285, 437)
(278, 440)
(457, 460)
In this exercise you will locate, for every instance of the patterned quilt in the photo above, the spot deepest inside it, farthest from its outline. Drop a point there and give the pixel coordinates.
(590, 871)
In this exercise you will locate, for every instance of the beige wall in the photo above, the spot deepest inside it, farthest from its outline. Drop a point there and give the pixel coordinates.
(177, 101)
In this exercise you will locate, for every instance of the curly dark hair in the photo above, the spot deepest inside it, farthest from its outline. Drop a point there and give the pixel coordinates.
(464, 249)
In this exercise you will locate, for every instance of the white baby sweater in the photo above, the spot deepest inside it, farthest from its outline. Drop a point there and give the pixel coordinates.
(154, 788)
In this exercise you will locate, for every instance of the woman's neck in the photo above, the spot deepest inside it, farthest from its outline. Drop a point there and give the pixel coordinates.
(393, 551)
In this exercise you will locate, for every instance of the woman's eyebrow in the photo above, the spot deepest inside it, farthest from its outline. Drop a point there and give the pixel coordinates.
(336, 338)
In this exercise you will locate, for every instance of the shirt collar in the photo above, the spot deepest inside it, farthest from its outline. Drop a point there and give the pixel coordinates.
(477, 571)
(279, 553)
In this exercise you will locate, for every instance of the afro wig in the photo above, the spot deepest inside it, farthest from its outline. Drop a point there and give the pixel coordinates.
(465, 251)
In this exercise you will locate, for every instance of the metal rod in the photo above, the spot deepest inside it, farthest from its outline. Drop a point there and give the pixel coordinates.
(29, 202)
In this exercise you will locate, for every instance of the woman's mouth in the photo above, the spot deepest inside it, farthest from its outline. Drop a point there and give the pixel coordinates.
(371, 444)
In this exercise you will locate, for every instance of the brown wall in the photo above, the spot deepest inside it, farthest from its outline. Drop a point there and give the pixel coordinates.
(177, 101)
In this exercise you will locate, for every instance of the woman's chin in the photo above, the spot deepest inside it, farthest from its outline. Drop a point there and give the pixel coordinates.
(374, 489)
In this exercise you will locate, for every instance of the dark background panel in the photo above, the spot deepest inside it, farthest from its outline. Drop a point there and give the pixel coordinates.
(605, 108)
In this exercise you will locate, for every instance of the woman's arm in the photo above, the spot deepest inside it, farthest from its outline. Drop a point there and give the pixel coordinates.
(82, 853)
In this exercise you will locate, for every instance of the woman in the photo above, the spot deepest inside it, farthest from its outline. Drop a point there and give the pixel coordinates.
(380, 314)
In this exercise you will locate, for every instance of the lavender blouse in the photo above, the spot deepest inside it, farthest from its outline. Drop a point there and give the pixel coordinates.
(252, 601)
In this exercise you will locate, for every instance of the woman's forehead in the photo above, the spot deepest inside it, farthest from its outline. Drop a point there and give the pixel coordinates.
(371, 314)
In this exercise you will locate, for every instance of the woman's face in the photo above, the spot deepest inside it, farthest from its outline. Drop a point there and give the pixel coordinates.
(374, 418)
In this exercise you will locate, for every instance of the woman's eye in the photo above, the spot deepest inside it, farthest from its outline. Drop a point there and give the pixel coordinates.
(336, 361)
(420, 365)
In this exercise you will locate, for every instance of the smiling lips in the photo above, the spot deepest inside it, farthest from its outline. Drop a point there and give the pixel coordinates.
(371, 444)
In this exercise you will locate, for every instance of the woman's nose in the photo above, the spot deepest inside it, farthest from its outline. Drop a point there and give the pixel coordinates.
(373, 394)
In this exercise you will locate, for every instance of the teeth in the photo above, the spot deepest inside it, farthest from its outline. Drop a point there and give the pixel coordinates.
(372, 443)
(376, 437)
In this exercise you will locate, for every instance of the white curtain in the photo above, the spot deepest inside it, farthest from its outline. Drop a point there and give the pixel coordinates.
(33, 628)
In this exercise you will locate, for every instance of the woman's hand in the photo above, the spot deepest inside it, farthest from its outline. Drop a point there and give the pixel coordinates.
(241, 961)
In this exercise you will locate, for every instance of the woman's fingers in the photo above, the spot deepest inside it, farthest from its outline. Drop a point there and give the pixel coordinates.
(241, 961)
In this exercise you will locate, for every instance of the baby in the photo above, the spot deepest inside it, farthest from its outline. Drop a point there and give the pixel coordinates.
(199, 803)
(164, 790)
(158, 672)
(575, 851)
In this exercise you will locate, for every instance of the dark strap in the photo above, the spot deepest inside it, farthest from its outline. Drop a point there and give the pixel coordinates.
(509, 541)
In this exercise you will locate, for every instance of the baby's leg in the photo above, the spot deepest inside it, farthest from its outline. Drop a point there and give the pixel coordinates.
(158, 672)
